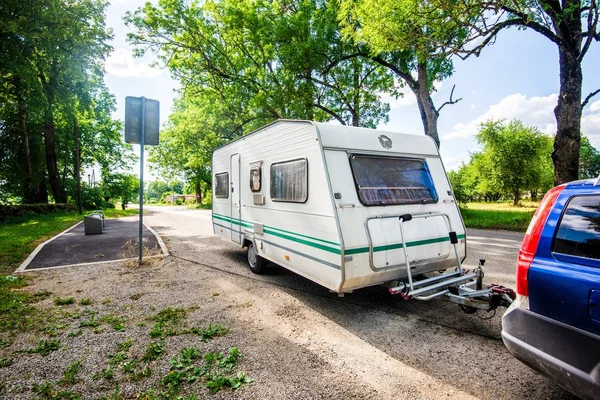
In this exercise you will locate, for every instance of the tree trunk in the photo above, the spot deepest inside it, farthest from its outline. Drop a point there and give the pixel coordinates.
(516, 197)
(429, 115)
(53, 176)
(568, 110)
(29, 195)
(356, 66)
(198, 193)
(49, 137)
(77, 167)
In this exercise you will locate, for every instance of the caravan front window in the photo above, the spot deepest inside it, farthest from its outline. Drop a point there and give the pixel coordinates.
(289, 181)
(389, 180)
(222, 185)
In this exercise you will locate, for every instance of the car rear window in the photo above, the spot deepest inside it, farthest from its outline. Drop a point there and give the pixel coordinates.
(579, 228)
(392, 180)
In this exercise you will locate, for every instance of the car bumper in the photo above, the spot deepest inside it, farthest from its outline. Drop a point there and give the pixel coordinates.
(570, 356)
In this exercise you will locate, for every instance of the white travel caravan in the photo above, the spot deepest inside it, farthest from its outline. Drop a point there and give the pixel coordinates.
(345, 207)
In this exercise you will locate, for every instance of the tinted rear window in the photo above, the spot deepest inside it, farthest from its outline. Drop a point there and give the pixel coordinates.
(391, 180)
(579, 230)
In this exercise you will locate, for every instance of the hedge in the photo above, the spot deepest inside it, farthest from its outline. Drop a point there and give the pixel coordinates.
(8, 210)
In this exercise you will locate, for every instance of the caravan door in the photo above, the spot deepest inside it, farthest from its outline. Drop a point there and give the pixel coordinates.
(236, 223)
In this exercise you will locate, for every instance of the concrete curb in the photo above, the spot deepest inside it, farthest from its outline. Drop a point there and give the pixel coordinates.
(37, 249)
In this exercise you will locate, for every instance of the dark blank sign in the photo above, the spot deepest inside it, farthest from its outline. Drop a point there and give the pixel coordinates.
(133, 121)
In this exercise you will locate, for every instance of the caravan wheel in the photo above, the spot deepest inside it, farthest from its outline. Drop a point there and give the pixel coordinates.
(257, 264)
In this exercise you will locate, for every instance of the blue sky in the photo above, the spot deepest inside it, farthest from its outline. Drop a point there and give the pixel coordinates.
(515, 78)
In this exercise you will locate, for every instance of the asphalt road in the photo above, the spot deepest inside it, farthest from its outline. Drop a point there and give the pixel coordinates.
(434, 338)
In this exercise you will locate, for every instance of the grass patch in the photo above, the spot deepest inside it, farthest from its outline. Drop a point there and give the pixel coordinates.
(63, 301)
(86, 302)
(45, 347)
(498, 216)
(168, 322)
(211, 332)
(70, 373)
(153, 351)
(19, 236)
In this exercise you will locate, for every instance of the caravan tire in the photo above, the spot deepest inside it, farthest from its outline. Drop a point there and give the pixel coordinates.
(257, 264)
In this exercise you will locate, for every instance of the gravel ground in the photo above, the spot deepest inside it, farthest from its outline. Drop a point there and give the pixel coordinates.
(298, 341)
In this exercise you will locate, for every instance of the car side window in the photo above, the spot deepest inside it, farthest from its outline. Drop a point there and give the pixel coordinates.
(578, 232)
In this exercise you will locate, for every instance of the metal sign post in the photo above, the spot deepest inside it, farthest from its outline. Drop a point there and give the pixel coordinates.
(141, 126)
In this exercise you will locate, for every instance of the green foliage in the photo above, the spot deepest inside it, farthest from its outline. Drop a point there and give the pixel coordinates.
(86, 302)
(70, 373)
(63, 301)
(589, 160)
(52, 91)
(153, 352)
(168, 322)
(120, 186)
(45, 347)
(514, 158)
(211, 332)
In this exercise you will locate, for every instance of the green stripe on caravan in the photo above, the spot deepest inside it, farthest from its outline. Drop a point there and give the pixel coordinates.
(324, 244)
(395, 246)
(286, 235)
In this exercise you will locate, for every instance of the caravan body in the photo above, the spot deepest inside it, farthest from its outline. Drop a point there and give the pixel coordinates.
(342, 206)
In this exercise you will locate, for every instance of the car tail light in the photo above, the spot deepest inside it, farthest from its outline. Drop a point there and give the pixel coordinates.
(532, 239)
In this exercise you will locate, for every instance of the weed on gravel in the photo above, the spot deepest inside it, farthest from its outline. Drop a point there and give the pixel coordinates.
(45, 347)
(64, 301)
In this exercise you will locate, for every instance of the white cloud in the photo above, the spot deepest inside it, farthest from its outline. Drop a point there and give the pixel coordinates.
(595, 106)
(122, 64)
(407, 100)
(538, 111)
(474, 106)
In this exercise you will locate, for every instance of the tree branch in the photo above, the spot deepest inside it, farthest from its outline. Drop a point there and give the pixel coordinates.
(592, 24)
(588, 98)
(330, 112)
(407, 77)
(449, 102)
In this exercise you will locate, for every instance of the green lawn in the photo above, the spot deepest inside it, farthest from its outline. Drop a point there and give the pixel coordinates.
(498, 215)
(19, 236)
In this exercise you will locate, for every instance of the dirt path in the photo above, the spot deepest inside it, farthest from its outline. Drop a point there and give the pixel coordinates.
(298, 340)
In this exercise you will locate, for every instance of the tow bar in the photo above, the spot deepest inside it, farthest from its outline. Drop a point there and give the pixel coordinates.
(462, 287)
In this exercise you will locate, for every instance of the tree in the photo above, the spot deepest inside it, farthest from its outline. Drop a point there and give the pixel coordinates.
(397, 36)
(54, 107)
(120, 186)
(265, 60)
(514, 154)
(572, 25)
(589, 160)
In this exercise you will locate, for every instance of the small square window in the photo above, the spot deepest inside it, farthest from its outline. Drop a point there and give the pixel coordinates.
(255, 177)
(222, 185)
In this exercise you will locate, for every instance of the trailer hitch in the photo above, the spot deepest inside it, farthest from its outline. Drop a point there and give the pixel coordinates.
(465, 289)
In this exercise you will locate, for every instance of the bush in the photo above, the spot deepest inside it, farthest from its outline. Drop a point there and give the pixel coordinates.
(92, 198)
(178, 202)
(152, 200)
(22, 209)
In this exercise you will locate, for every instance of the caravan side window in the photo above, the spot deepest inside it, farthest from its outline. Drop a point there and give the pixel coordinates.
(255, 176)
(289, 181)
(382, 181)
(222, 185)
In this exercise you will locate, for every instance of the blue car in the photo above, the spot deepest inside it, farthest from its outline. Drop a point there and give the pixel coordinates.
(554, 324)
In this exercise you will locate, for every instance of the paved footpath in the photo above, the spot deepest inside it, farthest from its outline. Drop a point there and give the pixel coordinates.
(119, 241)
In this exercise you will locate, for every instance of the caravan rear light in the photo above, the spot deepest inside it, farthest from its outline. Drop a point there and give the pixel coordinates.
(532, 239)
